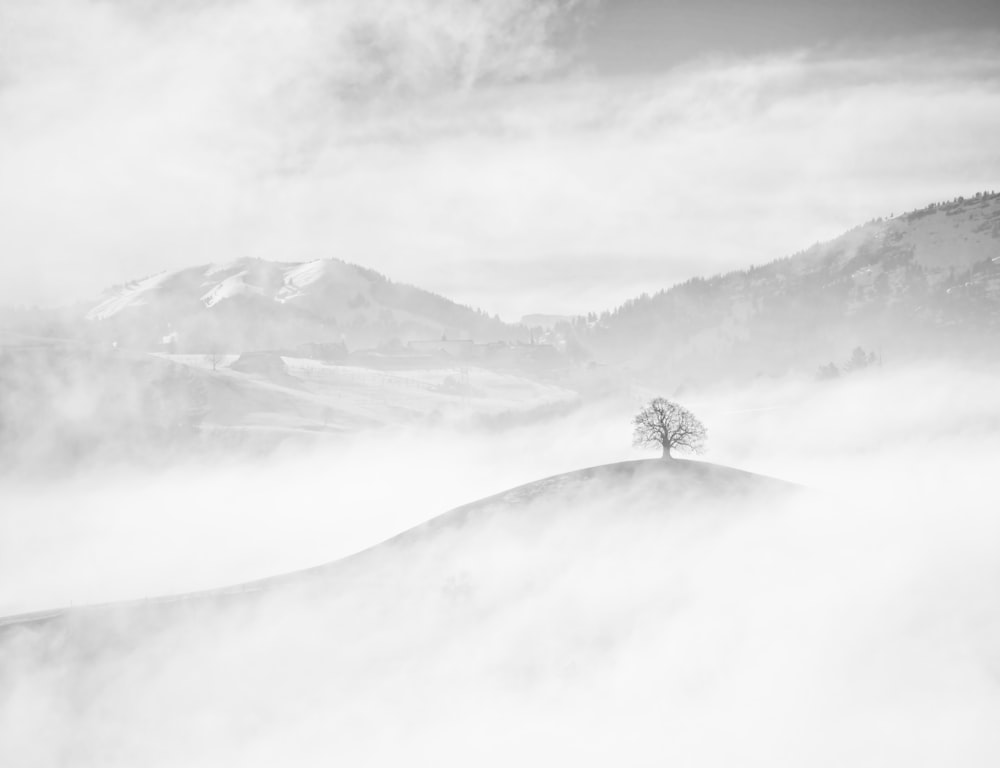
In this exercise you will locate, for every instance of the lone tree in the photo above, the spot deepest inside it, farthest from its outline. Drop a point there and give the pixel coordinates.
(664, 423)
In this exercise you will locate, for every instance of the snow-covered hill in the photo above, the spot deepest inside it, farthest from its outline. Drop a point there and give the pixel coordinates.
(252, 304)
(435, 648)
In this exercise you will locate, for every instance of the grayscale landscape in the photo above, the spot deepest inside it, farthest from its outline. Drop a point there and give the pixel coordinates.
(549, 382)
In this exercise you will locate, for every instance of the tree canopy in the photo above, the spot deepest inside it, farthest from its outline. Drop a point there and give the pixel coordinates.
(665, 424)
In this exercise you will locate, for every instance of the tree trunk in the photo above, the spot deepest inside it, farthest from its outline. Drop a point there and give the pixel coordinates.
(666, 452)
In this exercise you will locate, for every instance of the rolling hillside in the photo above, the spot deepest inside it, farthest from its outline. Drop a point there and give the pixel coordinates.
(640, 490)
(696, 610)
(65, 403)
(560, 615)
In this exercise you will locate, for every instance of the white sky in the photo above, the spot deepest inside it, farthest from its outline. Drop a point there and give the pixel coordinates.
(455, 146)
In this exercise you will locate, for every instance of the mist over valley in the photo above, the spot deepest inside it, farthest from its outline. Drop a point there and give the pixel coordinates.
(551, 382)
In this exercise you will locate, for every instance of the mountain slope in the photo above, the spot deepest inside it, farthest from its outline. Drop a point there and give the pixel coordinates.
(925, 283)
(252, 304)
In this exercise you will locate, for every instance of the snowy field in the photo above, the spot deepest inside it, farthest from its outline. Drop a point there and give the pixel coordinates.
(312, 395)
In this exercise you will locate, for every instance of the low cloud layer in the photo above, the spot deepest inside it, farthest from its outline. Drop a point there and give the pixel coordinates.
(467, 148)
(854, 626)
(111, 533)
(456, 146)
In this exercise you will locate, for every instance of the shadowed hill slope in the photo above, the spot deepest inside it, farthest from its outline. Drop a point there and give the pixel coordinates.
(650, 486)
(925, 284)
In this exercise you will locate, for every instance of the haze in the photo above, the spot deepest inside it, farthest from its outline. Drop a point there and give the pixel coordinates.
(323, 326)
(487, 152)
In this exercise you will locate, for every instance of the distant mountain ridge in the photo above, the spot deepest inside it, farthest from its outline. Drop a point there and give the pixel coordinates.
(257, 304)
(923, 283)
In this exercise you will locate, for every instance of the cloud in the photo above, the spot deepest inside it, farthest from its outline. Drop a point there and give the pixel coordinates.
(453, 145)
(137, 134)
(223, 517)
(858, 626)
